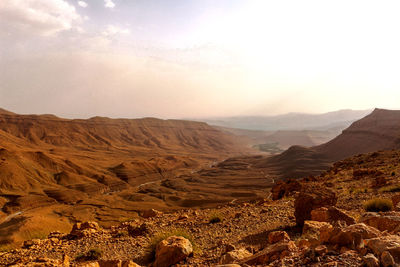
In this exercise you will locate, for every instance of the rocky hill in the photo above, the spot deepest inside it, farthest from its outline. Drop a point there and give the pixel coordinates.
(378, 131)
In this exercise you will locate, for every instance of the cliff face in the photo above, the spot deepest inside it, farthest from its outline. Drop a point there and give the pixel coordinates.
(115, 133)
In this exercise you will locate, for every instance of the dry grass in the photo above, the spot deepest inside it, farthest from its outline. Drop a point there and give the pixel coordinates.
(378, 204)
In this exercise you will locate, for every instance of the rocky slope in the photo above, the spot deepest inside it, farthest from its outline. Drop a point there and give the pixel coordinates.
(321, 221)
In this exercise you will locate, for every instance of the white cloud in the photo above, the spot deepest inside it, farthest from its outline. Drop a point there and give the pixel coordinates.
(112, 30)
(40, 17)
(82, 3)
(109, 4)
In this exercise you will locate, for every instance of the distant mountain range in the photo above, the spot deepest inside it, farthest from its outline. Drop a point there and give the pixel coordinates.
(291, 121)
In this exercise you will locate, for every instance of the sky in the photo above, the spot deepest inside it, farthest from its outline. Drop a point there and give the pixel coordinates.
(197, 58)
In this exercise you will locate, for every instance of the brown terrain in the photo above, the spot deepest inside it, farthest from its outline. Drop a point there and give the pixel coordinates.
(231, 207)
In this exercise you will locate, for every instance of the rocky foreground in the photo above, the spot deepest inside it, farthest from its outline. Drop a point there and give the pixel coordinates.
(317, 221)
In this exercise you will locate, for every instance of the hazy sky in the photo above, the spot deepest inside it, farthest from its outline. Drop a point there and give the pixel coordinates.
(198, 58)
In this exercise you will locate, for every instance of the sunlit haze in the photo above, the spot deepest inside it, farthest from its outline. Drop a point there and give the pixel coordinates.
(205, 58)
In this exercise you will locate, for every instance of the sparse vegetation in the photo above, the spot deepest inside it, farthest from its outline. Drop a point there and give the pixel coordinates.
(92, 254)
(215, 217)
(378, 204)
(390, 188)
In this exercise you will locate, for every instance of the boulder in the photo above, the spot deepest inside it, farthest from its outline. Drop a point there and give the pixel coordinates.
(278, 236)
(172, 250)
(271, 253)
(370, 260)
(384, 221)
(387, 259)
(150, 213)
(352, 236)
(310, 198)
(235, 256)
(316, 232)
(389, 243)
(331, 214)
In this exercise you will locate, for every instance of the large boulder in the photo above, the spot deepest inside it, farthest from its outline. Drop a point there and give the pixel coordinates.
(271, 253)
(235, 256)
(172, 250)
(310, 198)
(384, 221)
(150, 213)
(316, 232)
(385, 244)
(331, 214)
(352, 236)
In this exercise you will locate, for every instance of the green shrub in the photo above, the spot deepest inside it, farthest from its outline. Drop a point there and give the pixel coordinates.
(378, 204)
(156, 239)
(215, 217)
(90, 255)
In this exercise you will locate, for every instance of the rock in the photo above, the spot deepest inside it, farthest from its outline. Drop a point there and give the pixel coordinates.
(303, 243)
(271, 252)
(331, 214)
(228, 265)
(352, 236)
(387, 259)
(278, 236)
(151, 213)
(135, 230)
(229, 247)
(172, 250)
(390, 244)
(282, 189)
(84, 229)
(313, 231)
(235, 256)
(384, 221)
(117, 263)
(396, 200)
(30, 243)
(321, 250)
(311, 198)
(370, 260)
(183, 217)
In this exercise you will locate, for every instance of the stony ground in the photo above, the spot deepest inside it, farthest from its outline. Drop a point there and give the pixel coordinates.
(257, 233)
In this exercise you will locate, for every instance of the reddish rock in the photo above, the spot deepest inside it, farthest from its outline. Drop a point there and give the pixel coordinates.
(352, 236)
(278, 236)
(282, 189)
(84, 229)
(235, 256)
(316, 232)
(384, 221)
(331, 214)
(370, 260)
(136, 230)
(150, 213)
(172, 250)
(310, 198)
(270, 253)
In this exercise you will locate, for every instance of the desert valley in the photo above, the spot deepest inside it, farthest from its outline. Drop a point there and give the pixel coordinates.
(132, 180)
(180, 133)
